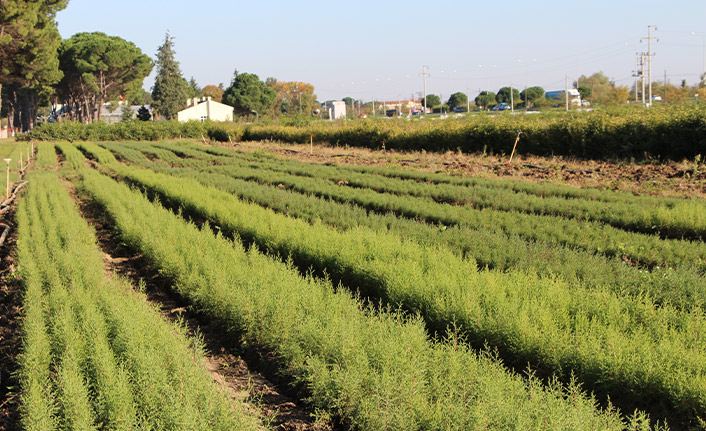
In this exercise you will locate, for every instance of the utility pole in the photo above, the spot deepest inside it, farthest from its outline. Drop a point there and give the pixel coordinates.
(636, 73)
(468, 99)
(425, 74)
(512, 99)
(649, 60)
(642, 74)
(665, 86)
(566, 93)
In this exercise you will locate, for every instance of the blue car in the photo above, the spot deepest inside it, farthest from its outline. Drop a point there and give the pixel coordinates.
(502, 106)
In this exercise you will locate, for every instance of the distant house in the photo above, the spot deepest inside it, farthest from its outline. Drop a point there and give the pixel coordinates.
(111, 113)
(336, 109)
(205, 109)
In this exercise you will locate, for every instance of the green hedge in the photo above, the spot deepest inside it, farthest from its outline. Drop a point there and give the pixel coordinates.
(670, 133)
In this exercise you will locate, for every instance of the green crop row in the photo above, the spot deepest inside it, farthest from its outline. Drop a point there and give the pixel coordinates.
(16, 152)
(674, 218)
(590, 236)
(370, 369)
(95, 354)
(682, 287)
(624, 347)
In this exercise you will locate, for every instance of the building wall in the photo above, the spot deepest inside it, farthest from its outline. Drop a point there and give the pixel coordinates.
(207, 110)
(337, 110)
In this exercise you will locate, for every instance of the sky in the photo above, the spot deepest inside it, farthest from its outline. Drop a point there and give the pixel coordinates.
(377, 49)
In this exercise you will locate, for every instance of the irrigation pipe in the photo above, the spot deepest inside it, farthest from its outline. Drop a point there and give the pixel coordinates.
(6, 230)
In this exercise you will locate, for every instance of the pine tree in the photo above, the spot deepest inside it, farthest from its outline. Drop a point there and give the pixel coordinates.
(28, 54)
(170, 89)
(143, 114)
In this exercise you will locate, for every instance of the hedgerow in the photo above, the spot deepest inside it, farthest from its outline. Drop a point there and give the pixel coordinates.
(675, 133)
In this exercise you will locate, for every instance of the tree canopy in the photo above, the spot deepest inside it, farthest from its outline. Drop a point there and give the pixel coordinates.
(170, 89)
(97, 68)
(597, 86)
(214, 92)
(532, 94)
(432, 100)
(194, 88)
(504, 96)
(458, 99)
(248, 94)
(485, 99)
(293, 97)
(28, 55)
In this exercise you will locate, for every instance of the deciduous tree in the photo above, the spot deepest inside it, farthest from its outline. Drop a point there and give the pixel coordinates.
(214, 92)
(599, 85)
(247, 94)
(293, 97)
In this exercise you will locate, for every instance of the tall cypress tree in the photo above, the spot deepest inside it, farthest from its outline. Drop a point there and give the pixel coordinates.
(170, 89)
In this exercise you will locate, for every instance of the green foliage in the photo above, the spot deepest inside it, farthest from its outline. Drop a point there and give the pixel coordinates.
(432, 100)
(257, 179)
(247, 94)
(671, 133)
(508, 95)
(458, 99)
(98, 67)
(532, 94)
(485, 99)
(29, 66)
(133, 130)
(369, 369)
(170, 89)
(563, 327)
(143, 114)
(194, 89)
(94, 350)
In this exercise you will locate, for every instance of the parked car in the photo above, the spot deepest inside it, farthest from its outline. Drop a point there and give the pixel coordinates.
(502, 106)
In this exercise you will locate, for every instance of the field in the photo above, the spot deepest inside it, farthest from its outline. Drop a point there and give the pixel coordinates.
(172, 284)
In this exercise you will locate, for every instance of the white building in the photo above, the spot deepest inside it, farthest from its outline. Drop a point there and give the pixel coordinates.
(205, 109)
(336, 109)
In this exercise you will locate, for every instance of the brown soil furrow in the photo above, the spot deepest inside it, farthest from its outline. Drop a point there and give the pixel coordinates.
(10, 318)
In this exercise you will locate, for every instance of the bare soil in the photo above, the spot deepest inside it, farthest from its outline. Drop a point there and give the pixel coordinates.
(246, 373)
(669, 178)
(10, 318)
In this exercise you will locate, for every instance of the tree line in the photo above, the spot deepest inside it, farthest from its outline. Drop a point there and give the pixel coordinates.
(85, 72)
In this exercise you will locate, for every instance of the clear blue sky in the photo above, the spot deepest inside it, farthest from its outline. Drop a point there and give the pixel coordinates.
(376, 49)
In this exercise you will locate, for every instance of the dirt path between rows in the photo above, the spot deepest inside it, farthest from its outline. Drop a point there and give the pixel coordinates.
(10, 317)
(246, 374)
(670, 178)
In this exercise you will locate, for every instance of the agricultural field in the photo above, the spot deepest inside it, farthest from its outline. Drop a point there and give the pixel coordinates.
(373, 290)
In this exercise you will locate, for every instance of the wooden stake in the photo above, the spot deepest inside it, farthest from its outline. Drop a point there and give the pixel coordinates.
(7, 184)
(311, 144)
(519, 132)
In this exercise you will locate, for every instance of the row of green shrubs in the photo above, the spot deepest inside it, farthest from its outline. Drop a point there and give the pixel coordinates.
(674, 133)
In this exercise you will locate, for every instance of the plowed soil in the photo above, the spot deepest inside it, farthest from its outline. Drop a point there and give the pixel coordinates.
(670, 178)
